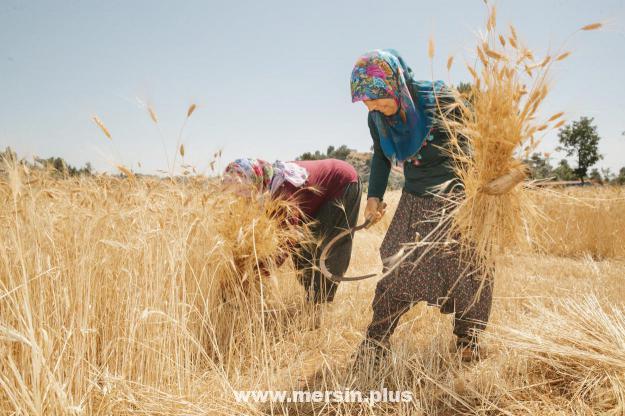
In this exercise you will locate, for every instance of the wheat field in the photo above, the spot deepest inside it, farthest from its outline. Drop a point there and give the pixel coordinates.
(140, 296)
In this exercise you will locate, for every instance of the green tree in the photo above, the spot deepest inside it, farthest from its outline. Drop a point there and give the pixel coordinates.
(466, 90)
(595, 175)
(607, 175)
(464, 87)
(60, 167)
(581, 140)
(331, 153)
(620, 178)
(539, 166)
(564, 172)
(311, 156)
(341, 153)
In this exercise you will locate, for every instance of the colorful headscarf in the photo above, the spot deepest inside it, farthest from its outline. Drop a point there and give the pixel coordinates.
(384, 74)
(266, 176)
(255, 171)
(291, 172)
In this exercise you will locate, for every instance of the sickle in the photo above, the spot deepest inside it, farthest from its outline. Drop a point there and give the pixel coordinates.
(390, 263)
(326, 249)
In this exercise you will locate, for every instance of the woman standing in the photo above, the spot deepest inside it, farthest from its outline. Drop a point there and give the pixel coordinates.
(327, 193)
(401, 112)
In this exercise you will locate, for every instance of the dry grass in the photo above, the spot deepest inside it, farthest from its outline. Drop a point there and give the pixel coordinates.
(118, 291)
(580, 222)
(576, 348)
(122, 296)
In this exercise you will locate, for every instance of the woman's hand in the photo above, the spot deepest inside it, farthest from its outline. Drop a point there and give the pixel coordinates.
(374, 211)
(505, 183)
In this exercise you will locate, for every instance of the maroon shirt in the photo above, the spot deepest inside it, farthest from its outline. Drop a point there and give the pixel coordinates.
(326, 182)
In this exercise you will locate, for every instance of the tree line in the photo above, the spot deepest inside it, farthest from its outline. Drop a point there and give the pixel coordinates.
(579, 140)
(55, 165)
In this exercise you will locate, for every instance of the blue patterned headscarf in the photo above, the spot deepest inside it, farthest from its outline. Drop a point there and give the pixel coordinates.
(384, 74)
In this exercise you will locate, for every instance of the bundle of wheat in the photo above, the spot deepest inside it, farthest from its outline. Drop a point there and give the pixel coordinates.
(493, 128)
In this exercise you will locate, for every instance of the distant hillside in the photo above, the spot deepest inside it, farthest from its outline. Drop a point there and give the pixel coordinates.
(362, 162)
(359, 160)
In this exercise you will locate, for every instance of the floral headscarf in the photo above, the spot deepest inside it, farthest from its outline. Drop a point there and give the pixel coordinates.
(290, 172)
(384, 74)
(266, 176)
(255, 171)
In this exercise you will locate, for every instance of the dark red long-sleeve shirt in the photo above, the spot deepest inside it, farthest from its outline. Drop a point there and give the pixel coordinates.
(326, 182)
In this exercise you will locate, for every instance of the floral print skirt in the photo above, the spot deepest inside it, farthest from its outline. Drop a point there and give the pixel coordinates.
(443, 276)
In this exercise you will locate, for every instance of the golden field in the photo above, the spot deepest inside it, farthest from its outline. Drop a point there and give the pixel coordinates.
(140, 296)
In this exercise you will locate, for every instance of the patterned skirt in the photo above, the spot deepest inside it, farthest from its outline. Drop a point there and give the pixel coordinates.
(439, 275)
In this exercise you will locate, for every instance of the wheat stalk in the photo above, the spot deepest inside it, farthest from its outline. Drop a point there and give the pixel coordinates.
(592, 26)
(152, 114)
(431, 47)
(450, 62)
(102, 127)
(191, 109)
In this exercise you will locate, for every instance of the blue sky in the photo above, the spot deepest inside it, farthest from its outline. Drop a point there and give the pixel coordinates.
(271, 79)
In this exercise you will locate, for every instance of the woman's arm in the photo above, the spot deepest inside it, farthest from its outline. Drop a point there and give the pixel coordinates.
(380, 167)
(378, 179)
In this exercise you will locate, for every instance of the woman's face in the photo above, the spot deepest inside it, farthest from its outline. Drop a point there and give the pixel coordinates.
(386, 106)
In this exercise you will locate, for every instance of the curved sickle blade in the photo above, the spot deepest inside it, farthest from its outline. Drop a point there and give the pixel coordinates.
(390, 263)
(326, 249)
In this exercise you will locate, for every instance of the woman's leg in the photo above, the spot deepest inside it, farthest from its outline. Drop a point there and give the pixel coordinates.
(332, 218)
(392, 298)
(477, 299)
(303, 261)
(343, 215)
(442, 277)
(387, 309)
